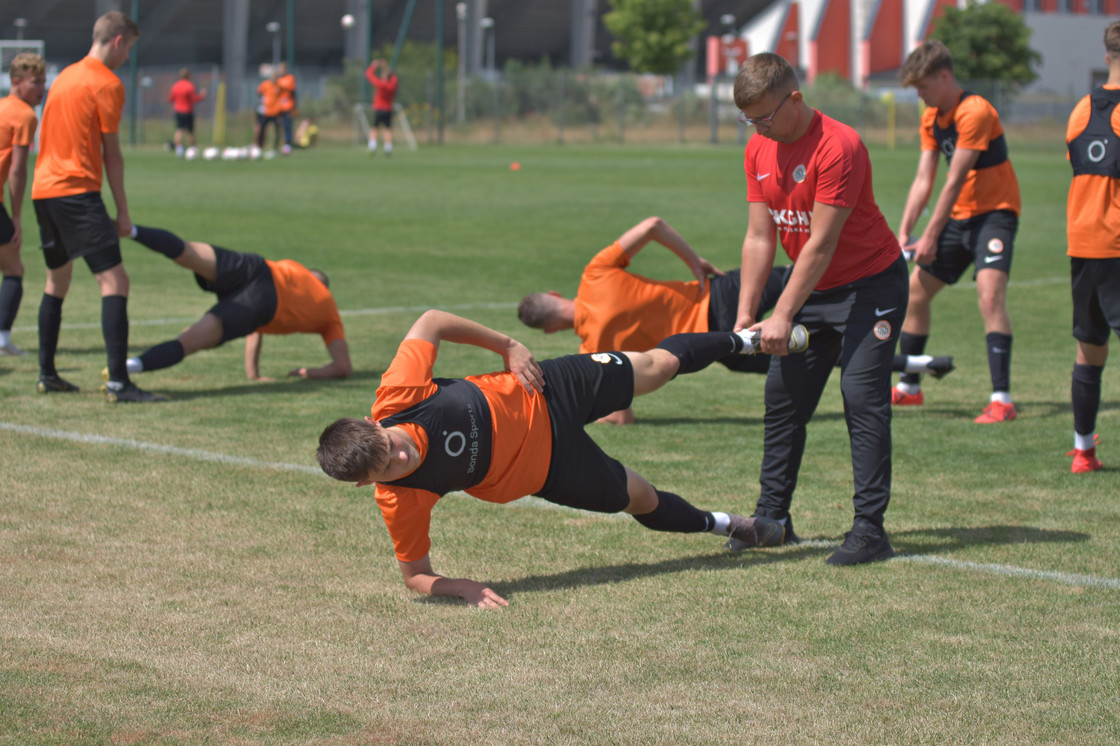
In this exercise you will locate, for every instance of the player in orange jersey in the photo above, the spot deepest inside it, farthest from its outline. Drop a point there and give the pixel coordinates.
(504, 435)
(78, 138)
(28, 73)
(286, 82)
(268, 110)
(974, 219)
(619, 310)
(1093, 238)
(183, 96)
(255, 297)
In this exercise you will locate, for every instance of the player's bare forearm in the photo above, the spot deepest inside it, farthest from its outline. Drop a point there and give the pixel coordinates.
(420, 577)
(435, 326)
(759, 247)
(339, 366)
(114, 174)
(253, 344)
(17, 180)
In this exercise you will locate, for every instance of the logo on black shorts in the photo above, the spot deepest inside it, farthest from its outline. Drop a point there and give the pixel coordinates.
(995, 246)
(882, 330)
(606, 358)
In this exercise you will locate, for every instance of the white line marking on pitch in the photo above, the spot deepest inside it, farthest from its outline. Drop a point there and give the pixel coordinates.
(534, 502)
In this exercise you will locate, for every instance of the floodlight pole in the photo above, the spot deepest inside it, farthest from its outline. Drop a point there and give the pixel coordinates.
(461, 94)
(20, 24)
(290, 18)
(439, 71)
(273, 27)
(133, 73)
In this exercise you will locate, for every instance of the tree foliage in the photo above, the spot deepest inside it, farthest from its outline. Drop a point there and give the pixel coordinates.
(653, 35)
(989, 41)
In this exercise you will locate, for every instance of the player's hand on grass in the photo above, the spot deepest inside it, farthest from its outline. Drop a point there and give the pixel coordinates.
(476, 594)
(297, 373)
(521, 363)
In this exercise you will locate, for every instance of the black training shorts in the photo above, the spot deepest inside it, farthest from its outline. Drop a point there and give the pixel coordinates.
(246, 292)
(7, 227)
(184, 122)
(985, 241)
(1096, 299)
(580, 389)
(382, 117)
(78, 226)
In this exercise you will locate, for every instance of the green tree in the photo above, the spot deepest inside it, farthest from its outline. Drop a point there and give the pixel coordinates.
(653, 35)
(989, 41)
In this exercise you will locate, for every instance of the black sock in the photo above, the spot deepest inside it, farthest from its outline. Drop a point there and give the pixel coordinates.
(911, 344)
(674, 513)
(698, 351)
(163, 355)
(999, 360)
(1085, 393)
(114, 327)
(50, 321)
(11, 293)
(164, 242)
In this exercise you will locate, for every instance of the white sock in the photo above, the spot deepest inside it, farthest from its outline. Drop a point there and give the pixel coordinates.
(908, 388)
(388, 147)
(723, 523)
(373, 144)
(178, 150)
(1003, 397)
(133, 365)
(918, 363)
(5, 338)
(750, 341)
(1084, 442)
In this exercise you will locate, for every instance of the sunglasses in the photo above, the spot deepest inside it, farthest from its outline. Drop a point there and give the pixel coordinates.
(764, 121)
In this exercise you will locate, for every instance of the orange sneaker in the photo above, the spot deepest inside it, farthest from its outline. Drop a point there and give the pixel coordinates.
(996, 412)
(1084, 461)
(900, 398)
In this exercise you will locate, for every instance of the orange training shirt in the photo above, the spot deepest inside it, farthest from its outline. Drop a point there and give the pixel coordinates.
(521, 444)
(270, 98)
(303, 304)
(984, 189)
(84, 102)
(17, 128)
(1093, 206)
(619, 310)
(287, 85)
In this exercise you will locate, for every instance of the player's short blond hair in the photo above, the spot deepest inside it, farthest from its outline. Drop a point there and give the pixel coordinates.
(114, 24)
(1112, 39)
(761, 74)
(27, 65)
(930, 57)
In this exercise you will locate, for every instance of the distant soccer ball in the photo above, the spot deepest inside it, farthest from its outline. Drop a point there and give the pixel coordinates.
(191, 153)
(254, 153)
(231, 154)
(211, 153)
(347, 21)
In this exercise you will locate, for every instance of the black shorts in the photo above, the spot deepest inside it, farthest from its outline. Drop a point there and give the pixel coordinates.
(7, 227)
(78, 226)
(184, 122)
(1096, 299)
(985, 241)
(382, 117)
(246, 292)
(580, 389)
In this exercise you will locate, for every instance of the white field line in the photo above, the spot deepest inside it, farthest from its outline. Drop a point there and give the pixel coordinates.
(462, 307)
(1063, 578)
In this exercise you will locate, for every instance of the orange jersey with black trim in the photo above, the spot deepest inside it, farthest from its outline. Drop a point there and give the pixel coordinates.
(270, 98)
(619, 310)
(287, 85)
(17, 128)
(521, 443)
(1093, 206)
(984, 189)
(303, 303)
(84, 102)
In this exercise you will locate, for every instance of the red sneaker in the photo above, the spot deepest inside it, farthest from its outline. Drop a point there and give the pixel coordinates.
(900, 398)
(996, 412)
(1085, 461)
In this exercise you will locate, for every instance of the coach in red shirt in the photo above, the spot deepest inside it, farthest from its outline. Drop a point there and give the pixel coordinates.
(809, 184)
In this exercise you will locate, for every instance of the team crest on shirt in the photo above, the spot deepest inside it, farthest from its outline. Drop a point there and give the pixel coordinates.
(799, 173)
(606, 358)
(995, 246)
(882, 330)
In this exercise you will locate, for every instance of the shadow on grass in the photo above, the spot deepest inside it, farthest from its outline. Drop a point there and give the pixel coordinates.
(959, 537)
(282, 385)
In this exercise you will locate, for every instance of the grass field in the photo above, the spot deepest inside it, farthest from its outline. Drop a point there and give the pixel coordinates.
(181, 573)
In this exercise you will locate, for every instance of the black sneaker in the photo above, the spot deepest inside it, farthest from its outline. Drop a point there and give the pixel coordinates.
(130, 392)
(53, 384)
(940, 367)
(862, 544)
(791, 537)
(753, 532)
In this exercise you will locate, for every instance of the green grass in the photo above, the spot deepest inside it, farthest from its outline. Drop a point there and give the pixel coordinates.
(152, 596)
